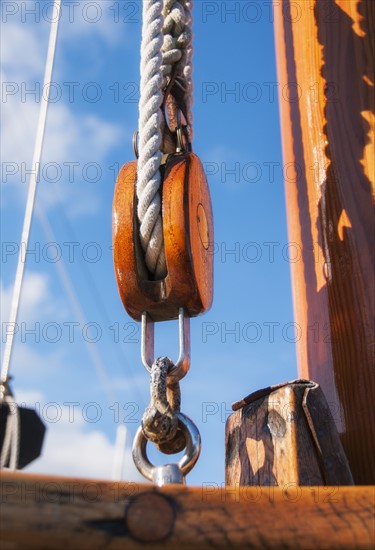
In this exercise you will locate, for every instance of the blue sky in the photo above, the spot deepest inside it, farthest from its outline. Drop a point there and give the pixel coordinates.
(81, 366)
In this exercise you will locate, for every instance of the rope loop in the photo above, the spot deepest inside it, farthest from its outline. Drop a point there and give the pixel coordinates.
(160, 421)
(9, 452)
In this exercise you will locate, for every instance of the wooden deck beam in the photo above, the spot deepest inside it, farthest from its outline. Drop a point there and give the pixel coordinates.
(59, 513)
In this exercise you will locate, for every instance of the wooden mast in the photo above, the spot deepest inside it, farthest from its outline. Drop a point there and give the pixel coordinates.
(325, 62)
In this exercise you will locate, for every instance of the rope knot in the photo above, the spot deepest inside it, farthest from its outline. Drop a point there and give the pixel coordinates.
(159, 421)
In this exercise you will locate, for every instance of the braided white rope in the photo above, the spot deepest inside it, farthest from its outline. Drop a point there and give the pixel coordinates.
(165, 46)
(188, 72)
(148, 176)
(177, 48)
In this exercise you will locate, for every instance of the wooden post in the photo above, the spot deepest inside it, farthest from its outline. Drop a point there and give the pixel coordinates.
(325, 62)
(60, 513)
(284, 435)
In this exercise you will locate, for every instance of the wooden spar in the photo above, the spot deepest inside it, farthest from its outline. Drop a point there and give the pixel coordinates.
(59, 513)
(325, 61)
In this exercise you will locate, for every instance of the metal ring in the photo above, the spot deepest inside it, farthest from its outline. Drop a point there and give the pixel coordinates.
(186, 462)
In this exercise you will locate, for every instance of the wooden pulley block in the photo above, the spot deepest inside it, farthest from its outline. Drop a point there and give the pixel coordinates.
(188, 242)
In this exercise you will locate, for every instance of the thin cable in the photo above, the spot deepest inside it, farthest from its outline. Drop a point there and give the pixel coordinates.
(69, 288)
(78, 311)
(99, 303)
(34, 176)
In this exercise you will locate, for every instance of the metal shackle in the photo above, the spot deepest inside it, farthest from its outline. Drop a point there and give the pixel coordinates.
(169, 473)
(182, 364)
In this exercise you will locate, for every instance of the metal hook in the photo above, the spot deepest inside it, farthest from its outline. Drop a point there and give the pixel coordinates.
(181, 367)
(181, 132)
(135, 144)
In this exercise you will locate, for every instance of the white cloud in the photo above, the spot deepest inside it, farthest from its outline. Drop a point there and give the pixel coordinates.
(23, 50)
(35, 293)
(71, 136)
(39, 368)
(78, 20)
(36, 299)
(73, 155)
(70, 450)
(100, 19)
(77, 138)
(36, 304)
(18, 125)
(6, 297)
(81, 139)
(28, 397)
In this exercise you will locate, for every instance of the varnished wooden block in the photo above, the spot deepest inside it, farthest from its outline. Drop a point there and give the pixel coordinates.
(285, 435)
(188, 242)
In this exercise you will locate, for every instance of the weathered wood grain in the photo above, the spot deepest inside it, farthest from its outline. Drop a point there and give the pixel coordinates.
(285, 436)
(39, 512)
(325, 61)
